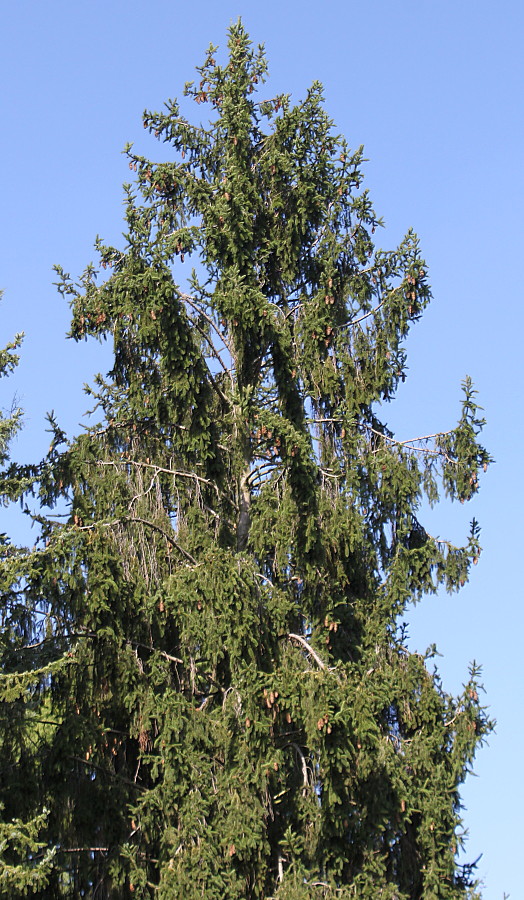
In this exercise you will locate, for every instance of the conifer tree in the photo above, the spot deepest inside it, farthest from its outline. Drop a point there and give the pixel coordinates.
(25, 859)
(236, 714)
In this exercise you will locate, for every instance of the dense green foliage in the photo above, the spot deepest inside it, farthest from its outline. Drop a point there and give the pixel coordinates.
(205, 680)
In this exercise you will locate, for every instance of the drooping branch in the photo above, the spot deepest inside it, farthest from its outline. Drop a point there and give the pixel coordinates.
(148, 524)
(161, 531)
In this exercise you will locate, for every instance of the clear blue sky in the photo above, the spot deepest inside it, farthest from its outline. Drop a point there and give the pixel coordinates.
(434, 92)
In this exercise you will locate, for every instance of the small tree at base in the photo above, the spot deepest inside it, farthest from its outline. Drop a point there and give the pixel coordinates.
(241, 717)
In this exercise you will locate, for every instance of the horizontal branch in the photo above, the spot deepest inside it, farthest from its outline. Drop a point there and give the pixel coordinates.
(144, 465)
(327, 474)
(168, 656)
(114, 775)
(409, 444)
(445, 543)
(84, 849)
(423, 437)
(186, 124)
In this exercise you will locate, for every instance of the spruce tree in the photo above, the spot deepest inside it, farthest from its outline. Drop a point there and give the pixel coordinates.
(237, 539)
(25, 858)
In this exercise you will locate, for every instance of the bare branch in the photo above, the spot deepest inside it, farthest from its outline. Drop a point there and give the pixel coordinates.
(84, 849)
(188, 299)
(143, 493)
(365, 316)
(211, 345)
(301, 640)
(146, 522)
(444, 543)
(409, 444)
(305, 770)
(164, 533)
(423, 437)
(264, 578)
(143, 465)
(371, 312)
(327, 474)
(168, 656)
(109, 774)
(218, 389)
(454, 719)
(260, 472)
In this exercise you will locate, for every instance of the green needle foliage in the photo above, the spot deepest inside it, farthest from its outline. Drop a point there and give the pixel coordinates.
(224, 705)
(25, 860)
